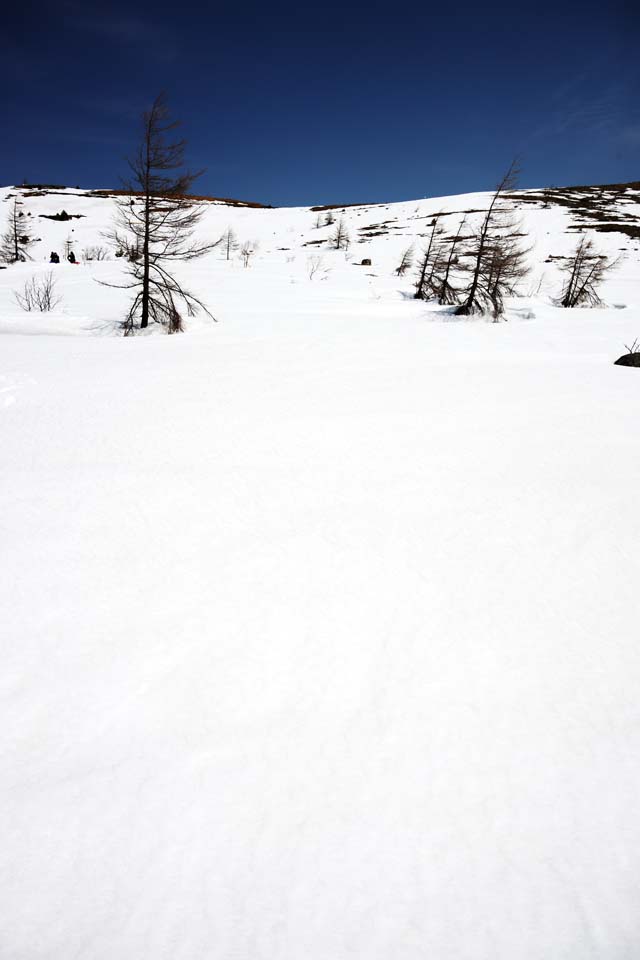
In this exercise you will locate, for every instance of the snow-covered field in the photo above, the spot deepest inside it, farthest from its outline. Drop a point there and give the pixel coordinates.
(321, 623)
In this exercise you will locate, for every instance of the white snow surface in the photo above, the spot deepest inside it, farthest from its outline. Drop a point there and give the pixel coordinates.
(321, 633)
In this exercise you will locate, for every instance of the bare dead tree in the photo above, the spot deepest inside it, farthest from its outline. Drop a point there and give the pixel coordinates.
(406, 262)
(340, 237)
(229, 242)
(157, 231)
(504, 267)
(316, 264)
(585, 270)
(476, 297)
(247, 250)
(17, 238)
(429, 263)
(446, 292)
(329, 219)
(38, 293)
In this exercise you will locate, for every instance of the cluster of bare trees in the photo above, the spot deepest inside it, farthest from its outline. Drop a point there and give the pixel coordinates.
(230, 243)
(584, 271)
(474, 271)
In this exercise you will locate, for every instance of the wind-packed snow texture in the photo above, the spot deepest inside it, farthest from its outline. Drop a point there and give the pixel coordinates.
(321, 623)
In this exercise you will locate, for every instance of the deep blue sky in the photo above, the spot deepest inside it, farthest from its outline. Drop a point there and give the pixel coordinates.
(299, 103)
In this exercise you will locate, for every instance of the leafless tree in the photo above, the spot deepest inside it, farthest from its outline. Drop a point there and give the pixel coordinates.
(319, 221)
(585, 270)
(477, 298)
(229, 242)
(316, 264)
(329, 219)
(429, 264)
(446, 292)
(17, 238)
(505, 266)
(406, 262)
(159, 226)
(340, 237)
(38, 294)
(247, 250)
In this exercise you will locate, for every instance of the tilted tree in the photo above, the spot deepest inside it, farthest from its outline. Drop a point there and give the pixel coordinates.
(406, 262)
(17, 238)
(429, 264)
(497, 232)
(585, 270)
(157, 221)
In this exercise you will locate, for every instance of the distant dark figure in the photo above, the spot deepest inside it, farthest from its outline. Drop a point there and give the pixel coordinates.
(72, 257)
(54, 258)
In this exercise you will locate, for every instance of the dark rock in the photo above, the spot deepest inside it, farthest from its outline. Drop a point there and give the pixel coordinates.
(629, 360)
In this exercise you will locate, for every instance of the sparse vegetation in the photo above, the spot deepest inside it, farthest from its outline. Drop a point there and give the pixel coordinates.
(406, 262)
(316, 265)
(38, 294)
(95, 252)
(585, 270)
(247, 250)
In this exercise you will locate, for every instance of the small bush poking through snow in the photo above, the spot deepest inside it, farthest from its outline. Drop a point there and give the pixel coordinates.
(38, 294)
(95, 252)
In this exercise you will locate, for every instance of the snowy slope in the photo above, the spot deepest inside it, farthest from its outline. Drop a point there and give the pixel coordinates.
(320, 623)
(287, 239)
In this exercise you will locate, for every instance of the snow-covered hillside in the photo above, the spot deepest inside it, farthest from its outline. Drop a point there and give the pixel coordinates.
(320, 623)
(288, 241)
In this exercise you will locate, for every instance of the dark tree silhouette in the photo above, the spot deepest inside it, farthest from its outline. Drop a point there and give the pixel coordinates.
(585, 270)
(429, 263)
(446, 292)
(493, 230)
(340, 237)
(17, 238)
(406, 262)
(155, 225)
